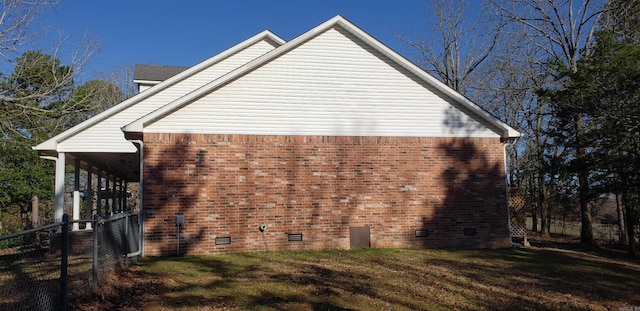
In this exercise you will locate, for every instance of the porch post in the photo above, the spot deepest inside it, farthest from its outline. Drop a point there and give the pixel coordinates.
(125, 207)
(76, 195)
(116, 199)
(107, 183)
(99, 187)
(114, 196)
(89, 197)
(59, 187)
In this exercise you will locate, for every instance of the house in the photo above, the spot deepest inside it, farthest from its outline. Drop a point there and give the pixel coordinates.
(330, 140)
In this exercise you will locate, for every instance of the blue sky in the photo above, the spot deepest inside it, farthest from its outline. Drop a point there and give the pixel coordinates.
(183, 33)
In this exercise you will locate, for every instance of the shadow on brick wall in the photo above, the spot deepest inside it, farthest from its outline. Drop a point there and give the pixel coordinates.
(173, 180)
(472, 212)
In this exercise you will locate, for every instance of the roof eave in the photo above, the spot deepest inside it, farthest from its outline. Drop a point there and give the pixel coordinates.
(147, 81)
(52, 142)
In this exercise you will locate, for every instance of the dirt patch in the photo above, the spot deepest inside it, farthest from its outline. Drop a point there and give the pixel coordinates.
(126, 288)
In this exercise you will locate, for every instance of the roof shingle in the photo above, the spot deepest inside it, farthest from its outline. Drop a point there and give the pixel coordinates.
(155, 72)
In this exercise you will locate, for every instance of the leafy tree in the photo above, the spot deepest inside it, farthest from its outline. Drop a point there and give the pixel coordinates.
(34, 103)
(40, 100)
(560, 29)
(603, 93)
(22, 175)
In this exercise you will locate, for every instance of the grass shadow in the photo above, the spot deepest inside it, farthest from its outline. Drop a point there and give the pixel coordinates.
(380, 279)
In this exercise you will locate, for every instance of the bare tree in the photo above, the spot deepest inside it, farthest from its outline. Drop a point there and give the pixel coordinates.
(457, 42)
(123, 78)
(15, 18)
(512, 76)
(562, 30)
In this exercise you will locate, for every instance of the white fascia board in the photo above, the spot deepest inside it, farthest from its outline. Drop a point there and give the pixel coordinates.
(51, 144)
(154, 82)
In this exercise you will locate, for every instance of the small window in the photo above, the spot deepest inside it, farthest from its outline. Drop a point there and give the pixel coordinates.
(294, 237)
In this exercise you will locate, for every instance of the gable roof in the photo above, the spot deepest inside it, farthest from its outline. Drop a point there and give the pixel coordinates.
(50, 146)
(101, 141)
(155, 73)
(338, 21)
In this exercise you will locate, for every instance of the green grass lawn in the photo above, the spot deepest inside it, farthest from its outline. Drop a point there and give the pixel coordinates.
(377, 279)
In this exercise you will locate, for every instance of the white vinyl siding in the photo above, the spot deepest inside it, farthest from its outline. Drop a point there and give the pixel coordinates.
(107, 136)
(332, 84)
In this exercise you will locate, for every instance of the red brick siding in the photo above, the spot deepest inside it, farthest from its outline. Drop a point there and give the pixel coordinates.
(227, 185)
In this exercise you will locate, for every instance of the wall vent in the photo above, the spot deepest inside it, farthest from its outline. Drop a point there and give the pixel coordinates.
(422, 233)
(469, 231)
(294, 237)
(223, 240)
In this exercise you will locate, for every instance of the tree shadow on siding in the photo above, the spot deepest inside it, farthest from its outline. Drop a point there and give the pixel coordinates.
(473, 210)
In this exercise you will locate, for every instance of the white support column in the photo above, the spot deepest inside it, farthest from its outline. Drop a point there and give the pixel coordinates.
(59, 185)
(89, 198)
(76, 195)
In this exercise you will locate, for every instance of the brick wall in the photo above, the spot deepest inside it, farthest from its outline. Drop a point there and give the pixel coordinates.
(228, 185)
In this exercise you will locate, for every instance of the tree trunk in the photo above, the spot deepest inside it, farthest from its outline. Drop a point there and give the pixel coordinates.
(621, 221)
(534, 212)
(35, 208)
(586, 230)
(544, 225)
(631, 239)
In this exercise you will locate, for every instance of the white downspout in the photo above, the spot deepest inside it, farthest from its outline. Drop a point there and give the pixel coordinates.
(76, 195)
(89, 198)
(506, 180)
(140, 194)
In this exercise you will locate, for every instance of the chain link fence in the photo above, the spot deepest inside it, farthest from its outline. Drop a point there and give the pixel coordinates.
(42, 268)
(31, 276)
(603, 232)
